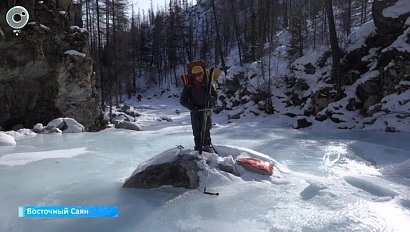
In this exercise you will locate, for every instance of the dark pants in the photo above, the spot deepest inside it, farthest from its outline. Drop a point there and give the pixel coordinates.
(197, 120)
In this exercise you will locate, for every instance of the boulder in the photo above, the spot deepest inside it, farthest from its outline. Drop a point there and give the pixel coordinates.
(310, 69)
(370, 101)
(38, 128)
(181, 172)
(6, 140)
(301, 122)
(179, 167)
(367, 89)
(66, 125)
(127, 125)
(166, 118)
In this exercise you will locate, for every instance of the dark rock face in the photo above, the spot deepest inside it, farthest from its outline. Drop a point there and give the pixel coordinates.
(367, 89)
(39, 80)
(183, 172)
(233, 85)
(386, 25)
(322, 99)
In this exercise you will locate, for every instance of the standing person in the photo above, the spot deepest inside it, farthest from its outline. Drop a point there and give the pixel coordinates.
(139, 97)
(194, 97)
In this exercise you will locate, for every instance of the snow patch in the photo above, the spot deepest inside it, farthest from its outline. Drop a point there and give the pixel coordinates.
(74, 53)
(357, 39)
(402, 42)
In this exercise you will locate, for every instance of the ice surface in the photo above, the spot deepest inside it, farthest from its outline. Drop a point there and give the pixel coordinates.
(311, 193)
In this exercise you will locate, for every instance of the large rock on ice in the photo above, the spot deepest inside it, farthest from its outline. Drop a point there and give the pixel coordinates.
(175, 167)
(6, 140)
(185, 168)
(67, 125)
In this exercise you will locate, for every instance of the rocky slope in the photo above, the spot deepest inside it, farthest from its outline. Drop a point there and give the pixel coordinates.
(375, 70)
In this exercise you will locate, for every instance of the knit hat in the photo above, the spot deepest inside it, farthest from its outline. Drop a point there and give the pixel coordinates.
(197, 71)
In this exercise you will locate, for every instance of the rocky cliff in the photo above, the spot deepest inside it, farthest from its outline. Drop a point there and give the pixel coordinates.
(46, 71)
(376, 74)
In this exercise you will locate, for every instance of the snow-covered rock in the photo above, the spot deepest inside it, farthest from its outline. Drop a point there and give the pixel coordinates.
(390, 15)
(38, 128)
(58, 122)
(127, 125)
(166, 118)
(73, 126)
(6, 140)
(66, 125)
(74, 53)
(181, 167)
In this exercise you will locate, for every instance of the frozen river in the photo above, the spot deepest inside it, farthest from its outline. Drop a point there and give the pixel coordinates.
(344, 181)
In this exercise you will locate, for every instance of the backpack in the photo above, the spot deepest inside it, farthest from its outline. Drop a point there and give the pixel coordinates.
(187, 78)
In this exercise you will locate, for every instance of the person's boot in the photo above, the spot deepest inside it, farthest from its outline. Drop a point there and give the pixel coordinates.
(197, 141)
(207, 148)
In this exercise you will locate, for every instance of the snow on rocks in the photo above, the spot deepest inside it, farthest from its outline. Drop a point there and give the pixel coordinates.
(357, 39)
(127, 125)
(38, 128)
(179, 167)
(6, 140)
(64, 125)
(74, 53)
(21, 133)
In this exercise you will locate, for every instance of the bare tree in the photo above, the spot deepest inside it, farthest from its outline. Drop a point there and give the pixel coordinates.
(336, 52)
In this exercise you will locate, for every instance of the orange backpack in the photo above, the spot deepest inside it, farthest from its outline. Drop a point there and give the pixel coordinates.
(186, 78)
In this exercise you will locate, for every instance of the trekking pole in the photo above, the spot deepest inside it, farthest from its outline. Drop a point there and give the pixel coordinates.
(213, 147)
(211, 109)
(205, 112)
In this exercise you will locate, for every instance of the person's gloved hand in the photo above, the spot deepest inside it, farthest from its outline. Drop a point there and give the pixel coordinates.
(194, 108)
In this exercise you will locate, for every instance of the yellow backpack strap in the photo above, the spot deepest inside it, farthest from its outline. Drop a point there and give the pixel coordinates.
(215, 74)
